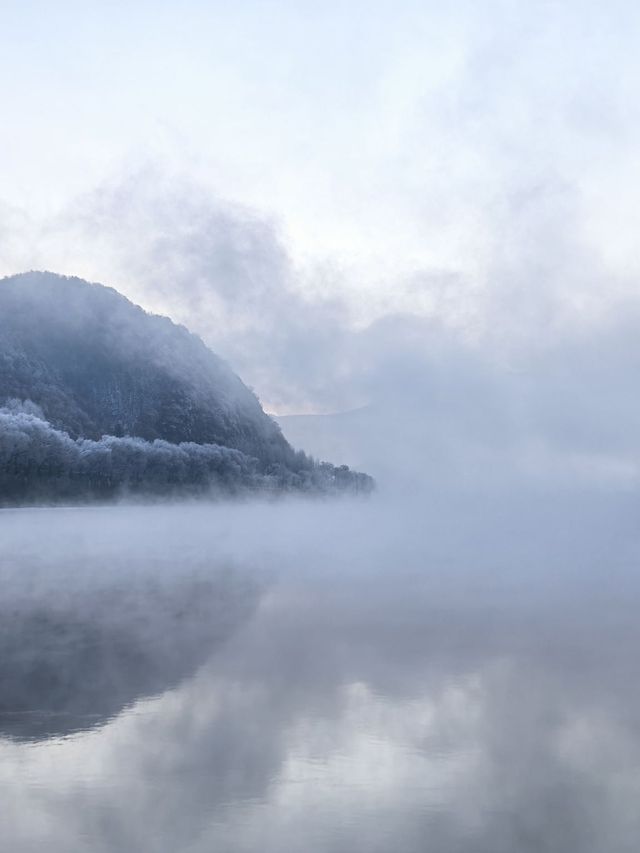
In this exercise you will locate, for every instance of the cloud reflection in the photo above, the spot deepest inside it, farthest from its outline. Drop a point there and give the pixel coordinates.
(487, 702)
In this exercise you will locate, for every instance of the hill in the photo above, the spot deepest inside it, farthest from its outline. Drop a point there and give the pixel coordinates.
(100, 394)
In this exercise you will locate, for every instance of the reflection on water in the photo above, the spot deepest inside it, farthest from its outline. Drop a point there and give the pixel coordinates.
(412, 694)
(82, 637)
(73, 664)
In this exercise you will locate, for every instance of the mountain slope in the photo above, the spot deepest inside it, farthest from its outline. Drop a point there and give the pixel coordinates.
(97, 365)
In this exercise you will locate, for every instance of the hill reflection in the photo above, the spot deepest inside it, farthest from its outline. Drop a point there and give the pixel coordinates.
(109, 635)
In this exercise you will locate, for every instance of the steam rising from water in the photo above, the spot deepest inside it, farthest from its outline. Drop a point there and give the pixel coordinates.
(371, 675)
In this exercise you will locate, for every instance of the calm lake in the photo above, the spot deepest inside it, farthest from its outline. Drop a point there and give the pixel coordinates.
(445, 675)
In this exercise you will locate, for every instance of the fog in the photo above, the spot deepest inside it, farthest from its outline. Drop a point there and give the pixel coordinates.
(411, 230)
(358, 673)
(448, 662)
(529, 367)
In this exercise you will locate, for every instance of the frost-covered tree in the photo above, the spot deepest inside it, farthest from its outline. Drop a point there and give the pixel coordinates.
(40, 462)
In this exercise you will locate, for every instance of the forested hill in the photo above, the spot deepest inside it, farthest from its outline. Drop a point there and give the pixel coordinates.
(107, 382)
(98, 365)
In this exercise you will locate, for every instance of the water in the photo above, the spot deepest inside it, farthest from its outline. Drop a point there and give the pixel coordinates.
(459, 676)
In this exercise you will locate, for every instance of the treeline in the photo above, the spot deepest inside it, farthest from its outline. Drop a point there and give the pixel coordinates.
(40, 463)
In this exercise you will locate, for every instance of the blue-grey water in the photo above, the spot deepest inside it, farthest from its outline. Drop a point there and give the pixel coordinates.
(431, 675)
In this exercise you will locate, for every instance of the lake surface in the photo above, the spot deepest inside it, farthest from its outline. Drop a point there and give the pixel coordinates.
(385, 676)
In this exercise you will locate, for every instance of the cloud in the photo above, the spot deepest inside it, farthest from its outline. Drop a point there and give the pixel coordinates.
(532, 376)
(219, 268)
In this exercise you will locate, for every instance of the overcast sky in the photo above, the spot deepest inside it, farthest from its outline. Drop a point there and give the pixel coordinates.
(308, 168)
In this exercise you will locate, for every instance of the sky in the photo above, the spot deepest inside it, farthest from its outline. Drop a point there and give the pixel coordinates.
(381, 138)
(326, 191)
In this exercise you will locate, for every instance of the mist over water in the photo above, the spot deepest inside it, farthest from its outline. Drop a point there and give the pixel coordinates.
(412, 228)
(456, 672)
